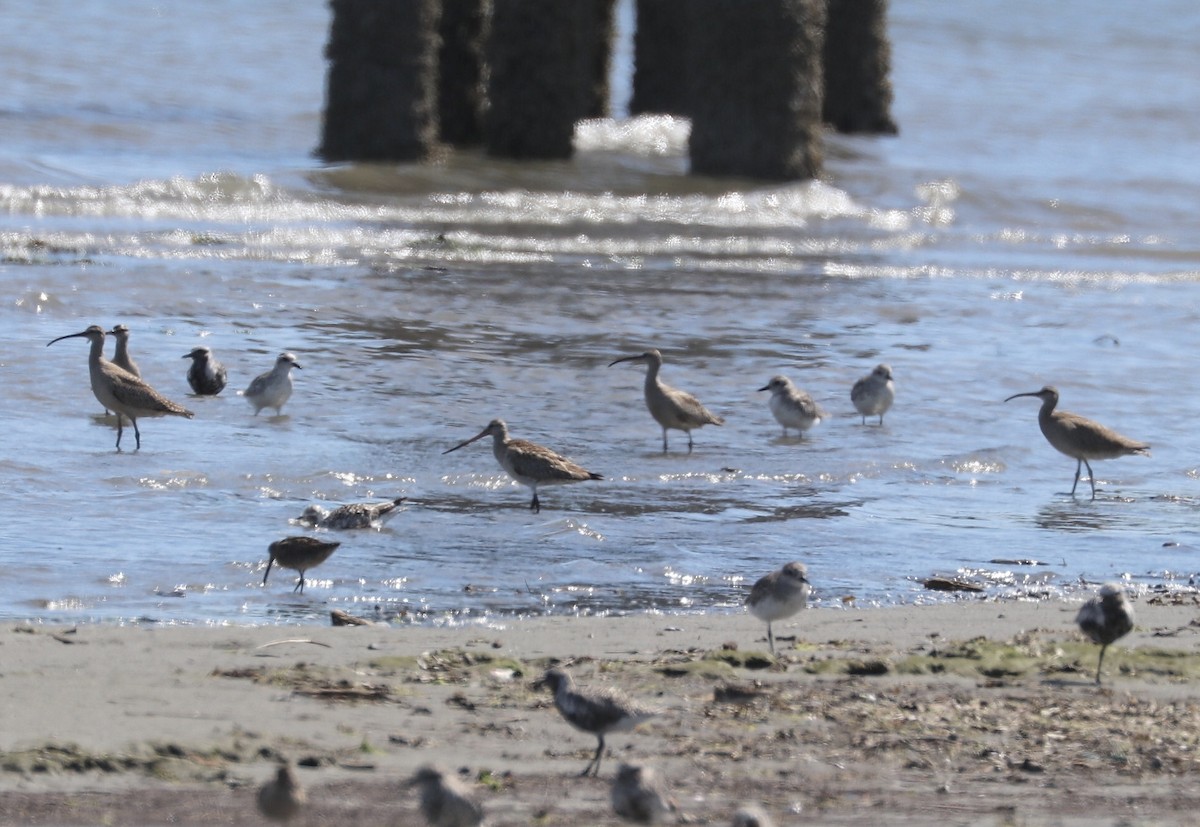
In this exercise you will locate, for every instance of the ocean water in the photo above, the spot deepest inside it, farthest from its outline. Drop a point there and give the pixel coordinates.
(1032, 224)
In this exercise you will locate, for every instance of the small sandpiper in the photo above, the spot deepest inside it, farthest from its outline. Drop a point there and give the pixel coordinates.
(778, 595)
(874, 393)
(792, 407)
(300, 553)
(350, 516)
(1105, 618)
(445, 801)
(598, 711)
(273, 388)
(282, 798)
(640, 795)
(206, 375)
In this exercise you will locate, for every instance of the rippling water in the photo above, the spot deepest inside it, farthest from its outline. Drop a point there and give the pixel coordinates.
(1032, 224)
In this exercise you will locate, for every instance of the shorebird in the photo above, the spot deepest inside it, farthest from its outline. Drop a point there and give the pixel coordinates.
(445, 801)
(751, 815)
(778, 595)
(640, 795)
(281, 798)
(670, 407)
(206, 375)
(874, 393)
(599, 711)
(1080, 438)
(121, 358)
(792, 407)
(529, 463)
(272, 389)
(120, 391)
(349, 516)
(300, 553)
(1105, 618)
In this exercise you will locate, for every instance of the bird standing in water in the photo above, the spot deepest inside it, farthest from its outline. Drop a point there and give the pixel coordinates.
(874, 394)
(206, 375)
(273, 388)
(670, 407)
(1080, 438)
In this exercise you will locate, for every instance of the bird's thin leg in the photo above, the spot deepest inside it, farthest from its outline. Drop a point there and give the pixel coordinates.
(300, 585)
(689, 433)
(137, 435)
(664, 440)
(881, 420)
(770, 638)
(1100, 662)
(1078, 468)
(535, 506)
(118, 432)
(1091, 478)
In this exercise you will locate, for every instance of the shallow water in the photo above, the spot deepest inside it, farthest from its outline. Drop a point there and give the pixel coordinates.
(1009, 238)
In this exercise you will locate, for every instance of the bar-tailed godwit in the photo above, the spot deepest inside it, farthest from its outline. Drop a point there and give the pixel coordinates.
(529, 463)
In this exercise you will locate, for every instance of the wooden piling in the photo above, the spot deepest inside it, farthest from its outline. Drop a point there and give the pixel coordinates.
(461, 93)
(381, 93)
(540, 66)
(858, 56)
(755, 67)
(660, 54)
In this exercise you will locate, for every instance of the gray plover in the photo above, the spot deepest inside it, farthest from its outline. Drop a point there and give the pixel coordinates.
(751, 815)
(598, 711)
(300, 553)
(670, 407)
(1105, 618)
(792, 407)
(874, 393)
(779, 594)
(120, 391)
(206, 375)
(273, 388)
(445, 801)
(1080, 438)
(529, 463)
(350, 516)
(282, 798)
(640, 795)
(121, 357)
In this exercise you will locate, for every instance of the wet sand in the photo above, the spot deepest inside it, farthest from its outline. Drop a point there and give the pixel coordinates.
(976, 712)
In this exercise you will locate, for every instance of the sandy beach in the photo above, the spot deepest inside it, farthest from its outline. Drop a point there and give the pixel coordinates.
(975, 712)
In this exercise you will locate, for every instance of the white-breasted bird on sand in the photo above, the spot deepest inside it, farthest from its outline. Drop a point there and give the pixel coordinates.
(779, 595)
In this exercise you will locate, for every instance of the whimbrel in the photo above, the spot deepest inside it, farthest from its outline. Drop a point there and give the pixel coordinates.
(121, 357)
(640, 795)
(778, 595)
(529, 463)
(120, 391)
(1105, 618)
(1080, 438)
(445, 801)
(751, 815)
(300, 553)
(670, 407)
(350, 515)
(874, 393)
(599, 711)
(273, 388)
(282, 798)
(206, 375)
(792, 407)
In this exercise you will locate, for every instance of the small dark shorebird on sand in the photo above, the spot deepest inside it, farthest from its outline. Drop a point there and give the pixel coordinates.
(598, 711)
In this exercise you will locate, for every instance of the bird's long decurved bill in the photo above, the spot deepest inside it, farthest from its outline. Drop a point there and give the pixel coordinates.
(68, 336)
(479, 435)
(268, 571)
(624, 359)
(1015, 395)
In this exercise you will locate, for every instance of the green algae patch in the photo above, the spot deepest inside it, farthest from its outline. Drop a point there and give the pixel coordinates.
(742, 660)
